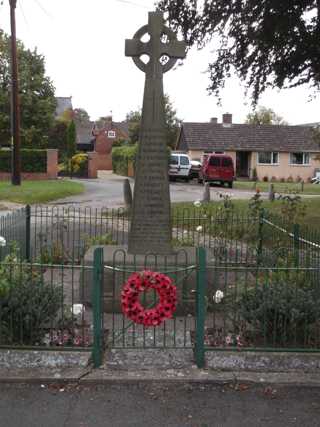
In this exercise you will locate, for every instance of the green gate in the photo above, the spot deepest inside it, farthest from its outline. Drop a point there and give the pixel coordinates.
(112, 329)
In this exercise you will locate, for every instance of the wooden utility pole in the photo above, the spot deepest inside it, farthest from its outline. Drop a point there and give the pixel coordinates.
(15, 107)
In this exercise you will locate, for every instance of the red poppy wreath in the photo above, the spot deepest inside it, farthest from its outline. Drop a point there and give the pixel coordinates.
(144, 281)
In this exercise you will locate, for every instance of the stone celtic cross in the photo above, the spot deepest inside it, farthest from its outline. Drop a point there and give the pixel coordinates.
(151, 223)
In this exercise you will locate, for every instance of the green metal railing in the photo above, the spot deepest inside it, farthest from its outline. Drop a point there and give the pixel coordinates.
(13, 227)
(42, 306)
(268, 272)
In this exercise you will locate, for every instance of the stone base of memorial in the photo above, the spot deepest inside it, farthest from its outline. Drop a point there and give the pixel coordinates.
(119, 265)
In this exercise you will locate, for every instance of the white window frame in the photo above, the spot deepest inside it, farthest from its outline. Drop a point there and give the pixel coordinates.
(304, 163)
(111, 134)
(272, 163)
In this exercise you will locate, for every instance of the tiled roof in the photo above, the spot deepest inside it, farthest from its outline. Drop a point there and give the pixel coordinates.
(122, 126)
(84, 133)
(243, 137)
(63, 103)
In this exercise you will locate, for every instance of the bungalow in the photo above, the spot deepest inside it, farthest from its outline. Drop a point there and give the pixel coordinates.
(272, 152)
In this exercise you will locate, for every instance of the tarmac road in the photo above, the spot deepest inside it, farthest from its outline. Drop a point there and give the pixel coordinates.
(108, 192)
(158, 405)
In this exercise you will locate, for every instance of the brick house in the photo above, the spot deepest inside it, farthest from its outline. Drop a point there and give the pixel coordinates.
(276, 152)
(104, 138)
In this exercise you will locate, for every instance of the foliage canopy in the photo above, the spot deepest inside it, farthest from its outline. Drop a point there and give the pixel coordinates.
(36, 94)
(172, 123)
(269, 43)
(264, 116)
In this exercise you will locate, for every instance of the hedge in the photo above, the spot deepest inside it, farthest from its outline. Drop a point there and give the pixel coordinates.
(31, 161)
(121, 156)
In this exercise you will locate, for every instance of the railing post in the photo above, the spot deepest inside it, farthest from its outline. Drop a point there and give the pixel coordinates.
(200, 307)
(96, 306)
(28, 233)
(296, 236)
(260, 237)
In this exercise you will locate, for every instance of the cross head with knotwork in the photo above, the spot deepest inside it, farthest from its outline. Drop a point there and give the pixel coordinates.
(163, 48)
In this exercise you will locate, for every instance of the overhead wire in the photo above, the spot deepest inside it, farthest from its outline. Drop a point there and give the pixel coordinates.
(132, 3)
(44, 10)
(24, 16)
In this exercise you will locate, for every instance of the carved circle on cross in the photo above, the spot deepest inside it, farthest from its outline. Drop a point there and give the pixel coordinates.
(169, 34)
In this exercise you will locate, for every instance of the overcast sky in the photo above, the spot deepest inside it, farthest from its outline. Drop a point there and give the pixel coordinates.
(83, 44)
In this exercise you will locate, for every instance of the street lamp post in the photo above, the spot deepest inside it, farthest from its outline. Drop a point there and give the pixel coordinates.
(15, 107)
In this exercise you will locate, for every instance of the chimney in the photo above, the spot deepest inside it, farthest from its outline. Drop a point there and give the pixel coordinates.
(227, 120)
(214, 120)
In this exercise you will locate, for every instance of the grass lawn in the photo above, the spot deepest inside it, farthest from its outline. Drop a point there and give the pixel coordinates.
(38, 191)
(279, 187)
(311, 219)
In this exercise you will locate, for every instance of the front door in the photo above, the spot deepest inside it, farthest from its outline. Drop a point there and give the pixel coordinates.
(242, 166)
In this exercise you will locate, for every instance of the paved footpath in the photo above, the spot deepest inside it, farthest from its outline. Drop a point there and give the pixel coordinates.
(155, 405)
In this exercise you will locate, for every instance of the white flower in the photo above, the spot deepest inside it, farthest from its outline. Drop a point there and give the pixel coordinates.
(197, 204)
(2, 241)
(218, 296)
(185, 232)
(46, 340)
(228, 340)
(199, 228)
(78, 309)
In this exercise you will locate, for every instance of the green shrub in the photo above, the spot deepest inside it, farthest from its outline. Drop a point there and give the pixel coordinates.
(282, 309)
(28, 304)
(121, 156)
(254, 174)
(79, 164)
(31, 161)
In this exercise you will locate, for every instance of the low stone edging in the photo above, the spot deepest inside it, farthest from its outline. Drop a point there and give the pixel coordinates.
(162, 359)
(263, 361)
(20, 359)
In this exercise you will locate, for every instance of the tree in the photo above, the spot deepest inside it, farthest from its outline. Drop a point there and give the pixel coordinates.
(81, 116)
(134, 118)
(102, 121)
(71, 140)
(269, 43)
(264, 116)
(58, 138)
(36, 95)
(172, 123)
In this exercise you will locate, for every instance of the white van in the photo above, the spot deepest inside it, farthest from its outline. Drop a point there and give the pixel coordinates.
(179, 166)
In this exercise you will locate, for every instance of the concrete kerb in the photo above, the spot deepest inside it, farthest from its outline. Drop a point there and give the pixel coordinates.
(34, 368)
(91, 377)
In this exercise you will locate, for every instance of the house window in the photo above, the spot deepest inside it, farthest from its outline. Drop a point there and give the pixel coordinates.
(111, 134)
(268, 158)
(300, 158)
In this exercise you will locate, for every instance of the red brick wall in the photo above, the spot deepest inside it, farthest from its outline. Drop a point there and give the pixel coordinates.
(52, 164)
(103, 144)
(96, 162)
(92, 165)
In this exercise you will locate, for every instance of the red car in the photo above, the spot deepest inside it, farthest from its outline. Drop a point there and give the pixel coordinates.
(217, 168)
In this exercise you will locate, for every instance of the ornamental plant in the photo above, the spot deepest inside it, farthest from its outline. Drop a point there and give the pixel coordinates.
(282, 309)
(28, 304)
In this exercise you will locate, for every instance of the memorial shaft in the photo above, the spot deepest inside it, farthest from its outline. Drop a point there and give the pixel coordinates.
(151, 220)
